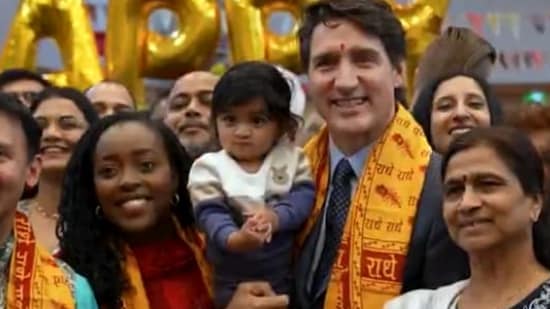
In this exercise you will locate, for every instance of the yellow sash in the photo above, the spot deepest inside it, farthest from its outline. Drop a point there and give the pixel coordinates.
(35, 279)
(369, 267)
(136, 298)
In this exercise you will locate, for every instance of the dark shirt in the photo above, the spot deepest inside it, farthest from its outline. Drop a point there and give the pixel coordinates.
(272, 262)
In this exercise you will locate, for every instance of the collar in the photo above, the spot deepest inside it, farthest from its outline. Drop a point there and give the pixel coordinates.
(357, 160)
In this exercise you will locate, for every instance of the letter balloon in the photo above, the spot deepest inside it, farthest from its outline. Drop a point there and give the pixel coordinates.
(134, 51)
(68, 23)
(251, 38)
(422, 20)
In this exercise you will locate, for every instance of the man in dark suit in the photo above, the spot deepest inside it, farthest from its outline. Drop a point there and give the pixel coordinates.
(353, 50)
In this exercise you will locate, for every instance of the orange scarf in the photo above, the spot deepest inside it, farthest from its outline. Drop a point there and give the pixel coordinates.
(35, 279)
(369, 266)
(136, 298)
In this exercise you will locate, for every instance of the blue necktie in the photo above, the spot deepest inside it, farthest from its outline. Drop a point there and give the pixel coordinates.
(337, 212)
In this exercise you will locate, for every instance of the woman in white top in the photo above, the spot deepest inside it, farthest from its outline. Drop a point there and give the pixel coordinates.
(493, 208)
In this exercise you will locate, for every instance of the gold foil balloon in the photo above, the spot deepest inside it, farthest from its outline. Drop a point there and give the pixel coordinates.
(251, 38)
(133, 51)
(422, 20)
(68, 23)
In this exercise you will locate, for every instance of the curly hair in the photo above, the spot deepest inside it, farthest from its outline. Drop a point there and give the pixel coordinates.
(89, 243)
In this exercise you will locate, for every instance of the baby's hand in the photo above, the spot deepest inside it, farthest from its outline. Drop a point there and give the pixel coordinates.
(246, 239)
(264, 220)
(261, 228)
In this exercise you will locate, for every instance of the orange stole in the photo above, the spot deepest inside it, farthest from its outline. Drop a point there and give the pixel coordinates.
(136, 298)
(35, 281)
(368, 270)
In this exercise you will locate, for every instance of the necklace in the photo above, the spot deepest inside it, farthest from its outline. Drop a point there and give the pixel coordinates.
(45, 214)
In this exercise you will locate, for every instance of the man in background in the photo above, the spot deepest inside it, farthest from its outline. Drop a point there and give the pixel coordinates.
(110, 97)
(187, 112)
(22, 84)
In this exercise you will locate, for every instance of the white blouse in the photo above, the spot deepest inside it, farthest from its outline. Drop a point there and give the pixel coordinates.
(444, 297)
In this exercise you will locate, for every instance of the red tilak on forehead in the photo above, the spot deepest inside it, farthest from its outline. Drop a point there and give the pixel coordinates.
(342, 46)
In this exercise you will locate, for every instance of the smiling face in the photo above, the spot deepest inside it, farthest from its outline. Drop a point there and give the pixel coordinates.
(62, 126)
(458, 106)
(484, 205)
(134, 181)
(352, 80)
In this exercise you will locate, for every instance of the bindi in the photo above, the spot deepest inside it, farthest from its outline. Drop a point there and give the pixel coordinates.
(342, 46)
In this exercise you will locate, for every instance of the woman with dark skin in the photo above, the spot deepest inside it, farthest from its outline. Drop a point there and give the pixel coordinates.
(126, 219)
(99, 221)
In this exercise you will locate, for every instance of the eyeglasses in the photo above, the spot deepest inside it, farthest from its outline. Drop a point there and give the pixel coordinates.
(23, 96)
(183, 99)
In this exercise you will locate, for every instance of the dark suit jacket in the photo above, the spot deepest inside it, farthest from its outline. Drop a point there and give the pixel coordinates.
(433, 259)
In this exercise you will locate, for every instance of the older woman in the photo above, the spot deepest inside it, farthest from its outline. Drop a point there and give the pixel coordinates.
(454, 104)
(64, 114)
(493, 209)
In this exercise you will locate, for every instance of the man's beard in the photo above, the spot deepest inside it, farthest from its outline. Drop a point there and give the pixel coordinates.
(195, 150)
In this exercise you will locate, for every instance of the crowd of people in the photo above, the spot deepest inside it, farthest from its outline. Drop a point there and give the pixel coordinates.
(244, 191)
